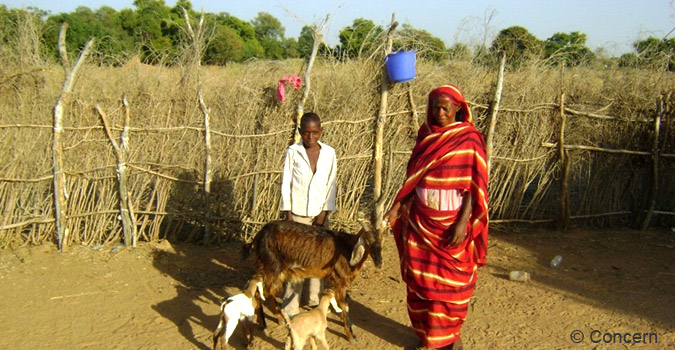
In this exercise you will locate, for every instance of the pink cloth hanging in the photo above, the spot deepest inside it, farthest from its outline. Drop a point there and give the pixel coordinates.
(281, 89)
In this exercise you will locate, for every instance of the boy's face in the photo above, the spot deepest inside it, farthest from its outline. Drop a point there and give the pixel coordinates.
(310, 133)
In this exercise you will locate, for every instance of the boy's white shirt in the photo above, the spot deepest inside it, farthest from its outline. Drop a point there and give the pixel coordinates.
(302, 192)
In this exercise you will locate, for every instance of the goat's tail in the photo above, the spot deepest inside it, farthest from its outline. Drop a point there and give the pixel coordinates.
(246, 250)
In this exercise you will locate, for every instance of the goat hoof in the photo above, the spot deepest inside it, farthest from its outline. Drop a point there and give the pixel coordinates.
(353, 340)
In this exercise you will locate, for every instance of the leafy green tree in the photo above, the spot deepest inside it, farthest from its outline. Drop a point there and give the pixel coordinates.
(79, 32)
(225, 46)
(21, 34)
(153, 24)
(629, 60)
(359, 37)
(568, 49)
(656, 53)
(270, 34)
(267, 26)
(252, 47)
(7, 27)
(305, 41)
(128, 22)
(426, 45)
(272, 48)
(518, 44)
(459, 52)
(113, 43)
(290, 47)
(176, 21)
(183, 4)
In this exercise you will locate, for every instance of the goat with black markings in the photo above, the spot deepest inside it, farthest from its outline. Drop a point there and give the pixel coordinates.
(240, 307)
(286, 251)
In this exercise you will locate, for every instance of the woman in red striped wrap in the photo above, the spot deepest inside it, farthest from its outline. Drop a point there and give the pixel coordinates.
(440, 217)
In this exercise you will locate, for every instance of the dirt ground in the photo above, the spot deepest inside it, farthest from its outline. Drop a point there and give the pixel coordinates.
(166, 296)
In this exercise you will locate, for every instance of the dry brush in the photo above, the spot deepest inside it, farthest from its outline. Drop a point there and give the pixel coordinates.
(249, 131)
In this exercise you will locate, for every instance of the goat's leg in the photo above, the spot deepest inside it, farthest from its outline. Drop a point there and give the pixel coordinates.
(298, 342)
(321, 335)
(349, 332)
(274, 307)
(217, 335)
(312, 342)
(262, 323)
(229, 329)
(248, 332)
(272, 287)
(340, 297)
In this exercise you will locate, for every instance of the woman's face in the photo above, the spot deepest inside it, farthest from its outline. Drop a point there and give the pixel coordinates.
(444, 111)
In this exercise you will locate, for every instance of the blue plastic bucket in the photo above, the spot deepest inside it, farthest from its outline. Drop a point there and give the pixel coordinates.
(400, 66)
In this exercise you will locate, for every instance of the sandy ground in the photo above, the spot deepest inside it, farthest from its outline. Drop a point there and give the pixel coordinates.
(165, 296)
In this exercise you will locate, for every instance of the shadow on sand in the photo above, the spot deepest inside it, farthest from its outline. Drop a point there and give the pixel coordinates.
(619, 269)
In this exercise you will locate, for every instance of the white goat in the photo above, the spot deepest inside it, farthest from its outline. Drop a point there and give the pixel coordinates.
(311, 324)
(240, 307)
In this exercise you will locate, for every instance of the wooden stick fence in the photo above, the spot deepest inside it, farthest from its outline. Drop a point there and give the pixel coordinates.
(57, 148)
(494, 109)
(565, 168)
(378, 212)
(565, 147)
(126, 206)
(317, 36)
(158, 171)
(655, 165)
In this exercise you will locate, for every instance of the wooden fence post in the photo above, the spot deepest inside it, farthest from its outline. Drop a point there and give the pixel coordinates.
(318, 37)
(126, 207)
(208, 169)
(57, 148)
(378, 212)
(414, 122)
(197, 36)
(655, 166)
(564, 218)
(494, 108)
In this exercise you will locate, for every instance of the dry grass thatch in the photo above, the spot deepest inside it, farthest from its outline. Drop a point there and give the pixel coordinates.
(250, 130)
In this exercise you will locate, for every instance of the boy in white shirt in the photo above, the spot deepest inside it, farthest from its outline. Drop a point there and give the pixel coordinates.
(308, 190)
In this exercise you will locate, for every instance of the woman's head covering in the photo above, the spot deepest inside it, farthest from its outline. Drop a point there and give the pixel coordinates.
(456, 96)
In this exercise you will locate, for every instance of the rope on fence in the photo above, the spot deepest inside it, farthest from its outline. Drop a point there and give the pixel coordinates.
(44, 178)
(142, 166)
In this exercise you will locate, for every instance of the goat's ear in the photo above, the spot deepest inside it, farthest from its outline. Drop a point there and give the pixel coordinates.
(260, 290)
(357, 253)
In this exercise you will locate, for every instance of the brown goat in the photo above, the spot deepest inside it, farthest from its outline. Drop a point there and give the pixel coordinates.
(311, 324)
(286, 251)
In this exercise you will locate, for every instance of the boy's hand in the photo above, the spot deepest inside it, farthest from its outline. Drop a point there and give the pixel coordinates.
(320, 219)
